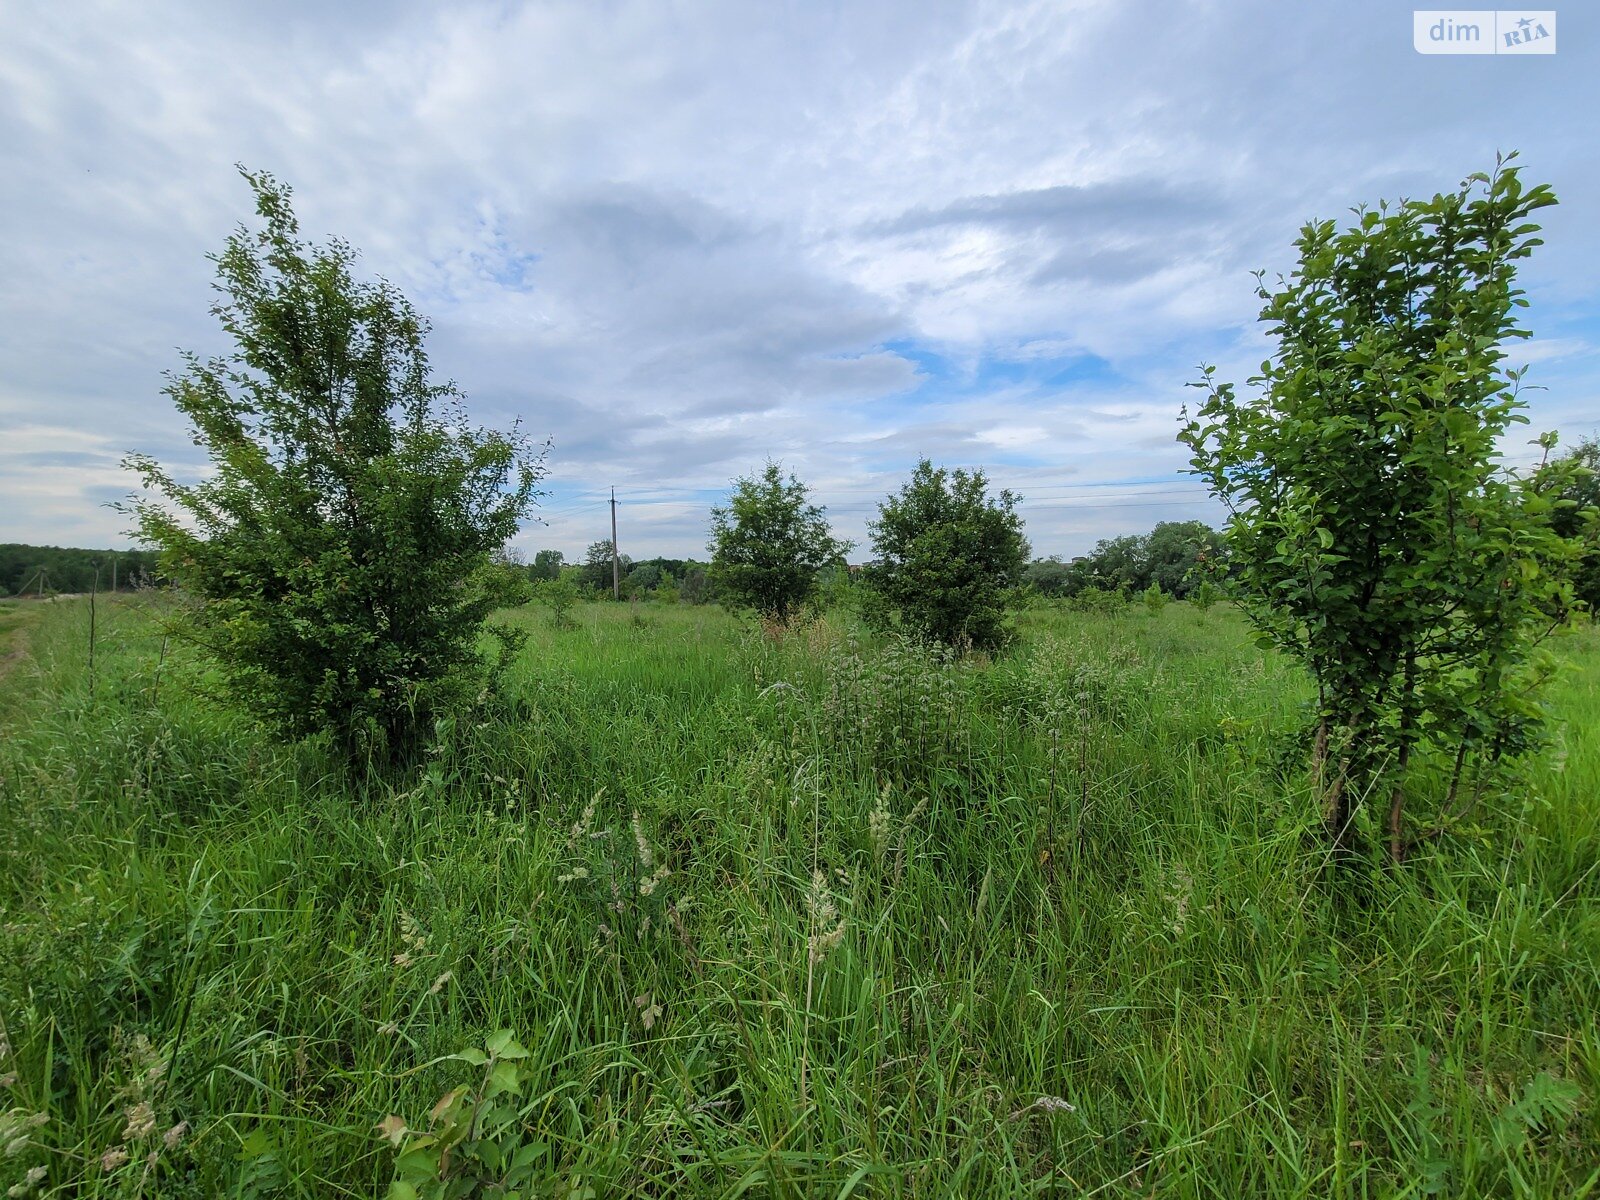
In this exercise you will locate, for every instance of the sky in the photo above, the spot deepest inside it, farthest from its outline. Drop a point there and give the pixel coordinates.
(678, 239)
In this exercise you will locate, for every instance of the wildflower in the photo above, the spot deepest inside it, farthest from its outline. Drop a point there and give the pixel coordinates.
(173, 1136)
(651, 875)
(1178, 896)
(438, 984)
(647, 859)
(411, 933)
(1045, 1104)
(29, 1181)
(113, 1158)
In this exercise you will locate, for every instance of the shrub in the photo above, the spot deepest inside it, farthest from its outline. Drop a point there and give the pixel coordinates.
(1375, 535)
(768, 543)
(341, 550)
(950, 557)
(559, 596)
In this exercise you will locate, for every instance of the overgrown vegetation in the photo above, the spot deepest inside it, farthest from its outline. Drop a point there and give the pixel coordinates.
(844, 909)
(782, 918)
(1179, 557)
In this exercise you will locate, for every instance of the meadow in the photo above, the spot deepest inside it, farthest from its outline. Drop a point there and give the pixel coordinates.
(816, 916)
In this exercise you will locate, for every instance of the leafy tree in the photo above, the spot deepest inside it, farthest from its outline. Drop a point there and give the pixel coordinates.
(1579, 483)
(55, 569)
(595, 573)
(546, 565)
(644, 577)
(506, 581)
(1173, 550)
(559, 596)
(1374, 533)
(1050, 577)
(768, 543)
(1118, 564)
(696, 586)
(341, 550)
(950, 557)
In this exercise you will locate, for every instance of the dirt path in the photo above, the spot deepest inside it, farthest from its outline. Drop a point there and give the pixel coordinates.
(14, 622)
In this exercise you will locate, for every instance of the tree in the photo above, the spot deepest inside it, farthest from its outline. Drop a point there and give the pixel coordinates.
(1050, 576)
(1580, 484)
(1118, 564)
(1374, 534)
(595, 573)
(768, 543)
(643, 577)
(546, 565)
(950, 558)
(559, 596)
(341, 549)
(1174, 550)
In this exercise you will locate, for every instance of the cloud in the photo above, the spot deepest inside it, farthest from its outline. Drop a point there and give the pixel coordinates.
(678, 241)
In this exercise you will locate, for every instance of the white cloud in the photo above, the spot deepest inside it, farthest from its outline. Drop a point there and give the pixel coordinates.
(679, 240)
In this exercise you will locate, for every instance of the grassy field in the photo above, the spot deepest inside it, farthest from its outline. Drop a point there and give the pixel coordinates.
(818, 918)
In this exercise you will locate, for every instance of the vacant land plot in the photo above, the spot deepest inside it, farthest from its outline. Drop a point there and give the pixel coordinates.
(820, 917)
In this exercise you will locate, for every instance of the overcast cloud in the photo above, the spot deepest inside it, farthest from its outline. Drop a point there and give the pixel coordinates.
(677, 239)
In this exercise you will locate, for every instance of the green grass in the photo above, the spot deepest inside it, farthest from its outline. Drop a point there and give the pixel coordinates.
(1082, 874)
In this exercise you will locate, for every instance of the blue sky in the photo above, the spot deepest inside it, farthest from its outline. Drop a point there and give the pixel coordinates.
(680, 239)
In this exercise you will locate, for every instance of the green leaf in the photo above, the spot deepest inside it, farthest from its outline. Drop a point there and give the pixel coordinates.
(501, 1044)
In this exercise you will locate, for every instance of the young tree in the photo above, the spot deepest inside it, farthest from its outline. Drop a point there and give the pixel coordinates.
(1374, 534)
(950, 557)
(560, 596)
(768, 543)
(341, 550)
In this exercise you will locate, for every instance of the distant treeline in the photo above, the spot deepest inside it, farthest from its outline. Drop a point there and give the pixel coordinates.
(48, 570)
(1175, 556)
(660, 578)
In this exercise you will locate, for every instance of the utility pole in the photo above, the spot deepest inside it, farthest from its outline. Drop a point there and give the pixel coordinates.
(616, 569)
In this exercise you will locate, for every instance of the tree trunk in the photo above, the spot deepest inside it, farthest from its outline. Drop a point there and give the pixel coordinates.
(1397, 794)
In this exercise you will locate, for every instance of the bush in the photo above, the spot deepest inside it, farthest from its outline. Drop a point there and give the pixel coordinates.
(559, 596)
(768, 544)
(341, 551)
(1386, 547)
(950, 557)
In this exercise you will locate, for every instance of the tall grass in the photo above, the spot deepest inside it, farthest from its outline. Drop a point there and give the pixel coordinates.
(1056, 924)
